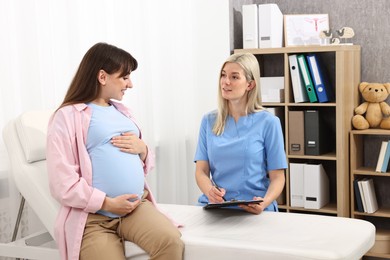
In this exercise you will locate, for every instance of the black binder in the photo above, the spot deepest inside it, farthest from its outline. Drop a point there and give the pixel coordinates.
(358, 197)
(316, 133)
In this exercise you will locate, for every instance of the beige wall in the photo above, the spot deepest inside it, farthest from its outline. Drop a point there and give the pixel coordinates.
(370, 20)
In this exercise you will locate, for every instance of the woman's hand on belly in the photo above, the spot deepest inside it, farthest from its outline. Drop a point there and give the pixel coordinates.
(130, 143)
(121, 205)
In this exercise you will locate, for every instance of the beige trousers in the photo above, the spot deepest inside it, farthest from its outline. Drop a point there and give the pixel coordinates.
(145, 226)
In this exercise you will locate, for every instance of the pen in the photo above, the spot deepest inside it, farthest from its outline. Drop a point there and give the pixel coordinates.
(216, 186)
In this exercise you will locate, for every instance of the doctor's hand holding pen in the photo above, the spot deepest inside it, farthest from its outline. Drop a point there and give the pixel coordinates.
(216, 194)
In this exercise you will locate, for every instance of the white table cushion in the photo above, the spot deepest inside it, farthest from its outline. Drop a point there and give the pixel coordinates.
(229, 234)
(32, 129)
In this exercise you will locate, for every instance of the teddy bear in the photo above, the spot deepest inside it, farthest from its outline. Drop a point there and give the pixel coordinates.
(375, 108)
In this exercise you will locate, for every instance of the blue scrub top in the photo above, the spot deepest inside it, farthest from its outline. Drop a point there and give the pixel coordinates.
(240, 158)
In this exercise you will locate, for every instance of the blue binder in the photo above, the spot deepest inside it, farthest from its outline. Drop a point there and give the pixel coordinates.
(320, 80)
(386, 158)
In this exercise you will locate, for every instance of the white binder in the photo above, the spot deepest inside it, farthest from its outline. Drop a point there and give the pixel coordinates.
(299, 90)
(297, 184)
(250, 29)
(369, 195)
(270, 26)
(316, 185)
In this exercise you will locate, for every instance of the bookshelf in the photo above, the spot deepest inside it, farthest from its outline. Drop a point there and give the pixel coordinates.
(364, 149)
(343, 65)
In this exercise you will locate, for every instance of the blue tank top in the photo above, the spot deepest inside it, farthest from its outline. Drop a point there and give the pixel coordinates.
(113, 171)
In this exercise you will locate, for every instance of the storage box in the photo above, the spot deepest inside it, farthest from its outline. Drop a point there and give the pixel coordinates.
(272, 89)
(382, 243)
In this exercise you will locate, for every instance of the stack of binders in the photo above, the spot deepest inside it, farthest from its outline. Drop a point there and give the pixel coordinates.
(308, 133)
(365, 196)
(309, 79)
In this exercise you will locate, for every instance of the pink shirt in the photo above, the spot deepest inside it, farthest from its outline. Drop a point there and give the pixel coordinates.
(70, 174)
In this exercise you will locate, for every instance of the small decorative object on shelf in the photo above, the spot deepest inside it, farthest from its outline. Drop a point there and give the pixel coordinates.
(326, 36)
(345, 34)
(334, 41)
(374, 112)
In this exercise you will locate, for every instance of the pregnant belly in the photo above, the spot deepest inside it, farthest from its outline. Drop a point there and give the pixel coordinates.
(117, 173)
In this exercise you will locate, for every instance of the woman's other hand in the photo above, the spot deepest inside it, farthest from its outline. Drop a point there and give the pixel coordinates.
(121, 205)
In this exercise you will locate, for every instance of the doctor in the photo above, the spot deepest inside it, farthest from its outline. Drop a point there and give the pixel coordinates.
(240, 145)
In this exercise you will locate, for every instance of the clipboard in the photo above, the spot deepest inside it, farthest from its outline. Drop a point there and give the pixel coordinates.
(230, 203)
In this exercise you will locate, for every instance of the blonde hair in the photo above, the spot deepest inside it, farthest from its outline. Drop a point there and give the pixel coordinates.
(250, 65)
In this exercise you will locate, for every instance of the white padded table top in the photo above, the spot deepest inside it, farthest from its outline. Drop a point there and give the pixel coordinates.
(230, 234)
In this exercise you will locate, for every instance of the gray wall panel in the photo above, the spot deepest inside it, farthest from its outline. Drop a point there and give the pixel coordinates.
(370, 20)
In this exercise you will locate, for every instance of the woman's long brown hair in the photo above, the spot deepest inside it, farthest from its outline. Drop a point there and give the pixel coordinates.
(85, 86)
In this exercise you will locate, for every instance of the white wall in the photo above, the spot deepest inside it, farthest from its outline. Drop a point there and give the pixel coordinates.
(179, 44)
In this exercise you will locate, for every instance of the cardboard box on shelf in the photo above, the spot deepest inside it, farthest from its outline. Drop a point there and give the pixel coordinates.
(382, 242)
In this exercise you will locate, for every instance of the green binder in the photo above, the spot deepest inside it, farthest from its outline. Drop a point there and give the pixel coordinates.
(305, 73)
